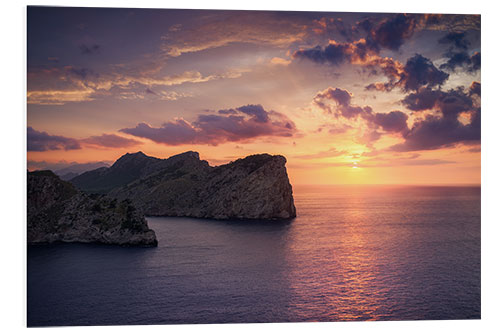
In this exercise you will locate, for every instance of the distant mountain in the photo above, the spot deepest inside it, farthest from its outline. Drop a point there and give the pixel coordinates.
(66, 170)
(57, 211)
(126, 169)
(255, 187)
(68, 176)
(78, 168)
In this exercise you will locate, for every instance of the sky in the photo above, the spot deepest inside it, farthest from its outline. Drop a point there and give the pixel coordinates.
(347, 98)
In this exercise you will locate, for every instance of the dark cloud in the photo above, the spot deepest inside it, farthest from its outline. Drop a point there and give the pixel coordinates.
(417, 72)
(424, 99)
(89, 49)
(456, 118)
(256, 111)
(470, 63)
(458, 54)
(420, 71)
(333, 54)
(110, 141)
(361, 52)
(81, 73)
(394, 121)
(343, 107)
(228, 111)
(42, 141)
(341, 96)
(243, 123)
(444, 129)
(456, 39)
(475, 88)
(438, 132)
(450, 103)
(391, 33)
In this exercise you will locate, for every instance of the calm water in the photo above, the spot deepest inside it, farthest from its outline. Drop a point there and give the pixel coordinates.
(353, 253)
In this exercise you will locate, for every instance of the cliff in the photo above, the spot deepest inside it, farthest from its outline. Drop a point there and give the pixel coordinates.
(255, 187)
(57, 211)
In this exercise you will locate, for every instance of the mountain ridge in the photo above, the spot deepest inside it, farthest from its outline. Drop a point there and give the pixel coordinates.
(253, 187)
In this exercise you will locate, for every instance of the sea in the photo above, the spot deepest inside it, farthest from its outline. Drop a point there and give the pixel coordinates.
(353, 253)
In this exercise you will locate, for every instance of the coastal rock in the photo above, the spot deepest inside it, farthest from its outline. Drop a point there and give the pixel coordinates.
(58, 212)
(255, 187)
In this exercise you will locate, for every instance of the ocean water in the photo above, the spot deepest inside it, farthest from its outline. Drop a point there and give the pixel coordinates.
(352, 253)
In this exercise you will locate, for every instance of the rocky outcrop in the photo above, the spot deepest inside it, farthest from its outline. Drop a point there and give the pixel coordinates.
(255, 187)
(126, 169)
(58, 212)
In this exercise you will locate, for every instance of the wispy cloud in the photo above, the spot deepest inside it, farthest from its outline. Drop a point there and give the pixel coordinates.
(43, 141)
(224, 28)
(57, 86)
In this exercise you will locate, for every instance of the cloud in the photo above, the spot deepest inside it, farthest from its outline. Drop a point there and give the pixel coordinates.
(438, 132)
(110, 141)
(458, 54)
(232, 125)
(224, 28)
(342, 97)
(332, 152)
(280, 61)
(417, 72)
(343, 107)
(403, 161)
(470, 63)
(331, 26)
(475, 88)
(457, 39)
(362, 52)
(450, 22)
(450, 103)
(392, 32)
(444, 129)
(58, 86)
(424, 99)
(376, 124)
(420, 71)
(42, 141)
(394, 121)
(456, 118)
(89, 49)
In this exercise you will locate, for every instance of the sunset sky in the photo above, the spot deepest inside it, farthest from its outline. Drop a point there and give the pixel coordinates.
(347, 98)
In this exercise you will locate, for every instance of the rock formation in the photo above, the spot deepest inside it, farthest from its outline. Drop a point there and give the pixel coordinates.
(255, 187)
(58, 212)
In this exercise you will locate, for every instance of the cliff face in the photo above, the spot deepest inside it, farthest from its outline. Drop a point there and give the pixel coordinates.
(57, 211)
(255, 187)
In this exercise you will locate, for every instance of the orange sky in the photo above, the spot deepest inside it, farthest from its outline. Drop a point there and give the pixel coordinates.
(346, 98)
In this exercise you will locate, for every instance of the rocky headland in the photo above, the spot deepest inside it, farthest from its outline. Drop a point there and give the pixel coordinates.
(254, 187)
(58, 212)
